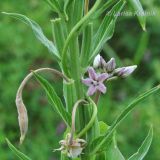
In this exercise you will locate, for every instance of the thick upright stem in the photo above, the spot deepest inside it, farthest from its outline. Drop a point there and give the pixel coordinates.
(86, 6)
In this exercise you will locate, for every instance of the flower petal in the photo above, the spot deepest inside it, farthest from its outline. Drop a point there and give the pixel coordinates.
(87, 81)
(92, 73)
(74, 152)
(102, 88)
(102, 77)
(92, 89)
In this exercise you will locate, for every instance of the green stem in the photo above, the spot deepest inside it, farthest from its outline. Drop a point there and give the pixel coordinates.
(73, 32)
(90, 123)
(86, 6)
(98, 93)
(81, 101)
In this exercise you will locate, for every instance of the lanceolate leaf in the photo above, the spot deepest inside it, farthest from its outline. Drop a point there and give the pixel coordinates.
(104, 139)
(106, 29)
(86, 44)
(138, 9)
(58, 33)
(104, 7)
(142, 151)
(113, 153)
(54, 100)
(37, 32)
(19, 154)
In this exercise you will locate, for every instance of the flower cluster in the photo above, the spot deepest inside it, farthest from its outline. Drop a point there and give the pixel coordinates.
(108, 70)
(72, 148)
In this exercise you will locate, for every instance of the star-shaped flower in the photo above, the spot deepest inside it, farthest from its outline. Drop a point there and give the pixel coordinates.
(95, 81)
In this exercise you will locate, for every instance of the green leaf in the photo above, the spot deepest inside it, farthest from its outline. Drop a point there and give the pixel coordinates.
(141, 48)
(73, 34)
(19, 154)
(86, 44)
(69, 95)
(101, 156)
(103, 127)
(113, 153)
(106, 29)
(104, 139)
(58, 30)
(54, 100)
(37, 32)
(104, 7)
(142, 151)
(138, 9)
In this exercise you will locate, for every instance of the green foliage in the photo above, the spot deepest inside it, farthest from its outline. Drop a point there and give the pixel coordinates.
(146, 55)
(106, 29)
(137, 7)
(104, 139)
(54, 100)
(142, 151)
(19, 154)
(37, 31)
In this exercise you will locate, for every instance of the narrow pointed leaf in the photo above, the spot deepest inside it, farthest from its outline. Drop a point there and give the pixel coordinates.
(58, 33)
(104, 7)
(54, 100)
(19, 154)
(104, 139)
(138, 9)
(113, 152)
(37, 32)
(142, 151)
(106, 29)
(86, 44)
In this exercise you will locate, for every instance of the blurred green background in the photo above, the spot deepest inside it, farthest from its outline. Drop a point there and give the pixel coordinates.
(20, 52)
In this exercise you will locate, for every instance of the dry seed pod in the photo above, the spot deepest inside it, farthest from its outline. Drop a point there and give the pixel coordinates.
(22, 111)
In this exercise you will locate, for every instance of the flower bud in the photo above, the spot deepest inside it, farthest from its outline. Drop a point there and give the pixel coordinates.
(97, 61)
(125, 71)
(110, 65)
(102, 62)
